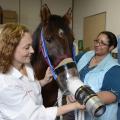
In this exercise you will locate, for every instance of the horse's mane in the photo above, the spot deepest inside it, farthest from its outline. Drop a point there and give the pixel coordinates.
(38, 60)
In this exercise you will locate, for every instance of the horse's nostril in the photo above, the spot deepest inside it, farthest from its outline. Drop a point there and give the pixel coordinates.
(49, 40)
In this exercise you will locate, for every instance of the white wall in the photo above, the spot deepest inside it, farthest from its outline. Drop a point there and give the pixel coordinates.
(30, 9)
(10, 4)
(59, 7)
(84, 8)
(30, 13)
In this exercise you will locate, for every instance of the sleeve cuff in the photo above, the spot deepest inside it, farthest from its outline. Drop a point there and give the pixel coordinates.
(51, 113)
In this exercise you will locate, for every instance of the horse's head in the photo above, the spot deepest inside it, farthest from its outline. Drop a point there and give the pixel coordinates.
(58, 35)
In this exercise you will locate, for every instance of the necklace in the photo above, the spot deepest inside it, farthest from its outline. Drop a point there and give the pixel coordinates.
(97, 59)
(94, 61)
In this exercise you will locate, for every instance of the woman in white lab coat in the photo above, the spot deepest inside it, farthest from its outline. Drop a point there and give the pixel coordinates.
(20, 92)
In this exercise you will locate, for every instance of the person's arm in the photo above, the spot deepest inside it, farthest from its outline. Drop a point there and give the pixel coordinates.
(19, 103)
(69, 107)
(110, 91)
(107, 97)
(47, 79)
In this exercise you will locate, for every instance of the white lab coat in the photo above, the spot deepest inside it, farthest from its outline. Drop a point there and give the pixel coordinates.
(20, 97)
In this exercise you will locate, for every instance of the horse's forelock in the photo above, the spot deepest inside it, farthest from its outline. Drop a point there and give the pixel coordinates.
(57, 22)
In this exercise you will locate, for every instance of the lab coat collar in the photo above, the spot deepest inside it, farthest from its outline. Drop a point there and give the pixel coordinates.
(14, 72)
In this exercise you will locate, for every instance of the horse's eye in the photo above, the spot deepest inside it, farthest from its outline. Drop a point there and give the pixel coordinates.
(60, 32)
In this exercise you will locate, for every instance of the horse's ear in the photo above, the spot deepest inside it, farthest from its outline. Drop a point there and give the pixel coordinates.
(68, 16)
(44, 13)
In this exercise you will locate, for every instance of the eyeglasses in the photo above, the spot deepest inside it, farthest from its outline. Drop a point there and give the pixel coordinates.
(100, 43)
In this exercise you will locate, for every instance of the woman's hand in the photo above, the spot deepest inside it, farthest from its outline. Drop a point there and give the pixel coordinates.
(69, 107)
(71, 99)
(79, 106)
(48, 77)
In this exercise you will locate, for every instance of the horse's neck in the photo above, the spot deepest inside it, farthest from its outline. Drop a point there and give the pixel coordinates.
(65, 61)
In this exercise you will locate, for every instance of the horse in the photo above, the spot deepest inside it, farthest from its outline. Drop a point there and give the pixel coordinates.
(59, 42)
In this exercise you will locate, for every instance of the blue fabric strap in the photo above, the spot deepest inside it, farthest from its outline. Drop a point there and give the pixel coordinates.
(45, 54)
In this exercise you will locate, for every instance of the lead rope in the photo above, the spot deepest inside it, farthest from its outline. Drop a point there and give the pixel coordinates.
(60, 95)
(79, 115)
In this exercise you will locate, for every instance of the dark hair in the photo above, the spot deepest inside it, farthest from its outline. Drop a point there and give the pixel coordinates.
(112, 38)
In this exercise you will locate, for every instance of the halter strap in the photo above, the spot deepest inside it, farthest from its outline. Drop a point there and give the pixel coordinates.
(45, 54)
